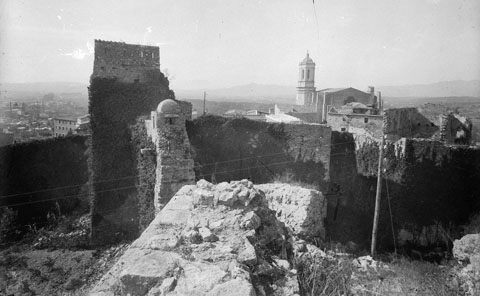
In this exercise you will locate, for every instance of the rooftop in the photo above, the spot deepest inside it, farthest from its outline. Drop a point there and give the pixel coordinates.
(169, 107)
(307, 60)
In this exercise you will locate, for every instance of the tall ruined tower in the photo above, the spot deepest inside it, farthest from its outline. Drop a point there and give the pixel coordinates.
(126, 84)
(174, 161)
(306, 82)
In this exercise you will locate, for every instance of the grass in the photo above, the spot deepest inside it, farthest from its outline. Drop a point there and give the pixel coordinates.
(339, 276)
(323, 276)
(405, 277)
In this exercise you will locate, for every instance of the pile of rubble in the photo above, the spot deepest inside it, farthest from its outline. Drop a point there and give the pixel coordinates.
(467, 251)
(208, 240)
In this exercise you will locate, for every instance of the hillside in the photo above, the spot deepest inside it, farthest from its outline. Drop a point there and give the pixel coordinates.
(457, 88)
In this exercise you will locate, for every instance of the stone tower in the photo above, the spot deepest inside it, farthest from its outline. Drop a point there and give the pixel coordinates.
(174, 161)
(306, 82)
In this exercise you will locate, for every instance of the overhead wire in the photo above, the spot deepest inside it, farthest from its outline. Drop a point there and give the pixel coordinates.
(195, 167)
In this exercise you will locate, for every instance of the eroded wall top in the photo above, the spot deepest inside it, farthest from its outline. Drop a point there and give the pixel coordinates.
(126, 62)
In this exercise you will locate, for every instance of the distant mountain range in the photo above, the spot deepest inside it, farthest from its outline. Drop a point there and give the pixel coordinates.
(258, 92)
(249, 92)
(44, 87)
(255, 91)
(457, 88)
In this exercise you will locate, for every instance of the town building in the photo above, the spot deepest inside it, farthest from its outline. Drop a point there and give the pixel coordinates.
(64, 126)
(83, 125)
(321, 102)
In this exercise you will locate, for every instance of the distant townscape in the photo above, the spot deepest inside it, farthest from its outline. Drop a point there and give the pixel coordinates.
(46, 117)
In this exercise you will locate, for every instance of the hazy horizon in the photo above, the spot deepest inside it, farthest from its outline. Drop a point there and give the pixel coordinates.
(214, 44)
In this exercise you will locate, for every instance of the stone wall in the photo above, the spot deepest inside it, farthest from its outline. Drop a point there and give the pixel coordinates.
(428, 183)
(126, 62)
(408, 123)
(455, 129)
(358, 124)
(232, 149)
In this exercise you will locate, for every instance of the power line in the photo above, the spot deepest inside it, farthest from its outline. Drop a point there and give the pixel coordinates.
(195, 167)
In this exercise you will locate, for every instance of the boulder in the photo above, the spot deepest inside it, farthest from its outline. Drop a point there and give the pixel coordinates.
(144, 269)
(467, 251)
(466, 247)
(247, 254)
(251, 221)
(207, 235)
(235, 287)
(302, 210)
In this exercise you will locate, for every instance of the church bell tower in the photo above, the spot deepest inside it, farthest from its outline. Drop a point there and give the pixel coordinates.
(306, 82)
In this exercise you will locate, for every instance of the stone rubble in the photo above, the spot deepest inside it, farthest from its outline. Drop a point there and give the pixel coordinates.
(208, 240)
(467, 251)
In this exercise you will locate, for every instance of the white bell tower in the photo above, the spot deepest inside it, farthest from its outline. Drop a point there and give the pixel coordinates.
(306, 82)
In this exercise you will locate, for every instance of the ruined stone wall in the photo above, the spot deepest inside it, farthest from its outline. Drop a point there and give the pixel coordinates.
(357, 124)
(408, 123)
(233, 149)
(427, 182)
(126, 62)
(455, 129)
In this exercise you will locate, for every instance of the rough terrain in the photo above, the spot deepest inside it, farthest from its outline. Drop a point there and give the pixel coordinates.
(208, 240)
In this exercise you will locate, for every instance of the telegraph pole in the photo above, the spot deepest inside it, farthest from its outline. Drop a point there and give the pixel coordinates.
(379, 190)
(377, 198)
(204, 100)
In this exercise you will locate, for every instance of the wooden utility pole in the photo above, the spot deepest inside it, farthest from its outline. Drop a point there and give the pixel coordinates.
(378, 195)
(204, 100)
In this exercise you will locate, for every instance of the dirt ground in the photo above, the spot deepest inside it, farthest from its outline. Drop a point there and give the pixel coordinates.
(26, 271)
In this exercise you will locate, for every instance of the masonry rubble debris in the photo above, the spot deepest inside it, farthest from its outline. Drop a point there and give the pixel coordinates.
(208, 240)
(467, 251)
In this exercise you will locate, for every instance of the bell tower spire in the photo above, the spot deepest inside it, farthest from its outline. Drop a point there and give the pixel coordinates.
(306, 82)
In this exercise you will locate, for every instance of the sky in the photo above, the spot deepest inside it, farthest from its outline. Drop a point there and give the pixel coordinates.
(215, 44)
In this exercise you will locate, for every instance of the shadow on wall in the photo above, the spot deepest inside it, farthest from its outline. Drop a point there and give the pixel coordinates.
(226, 149)
(433, 185)
(409, 123)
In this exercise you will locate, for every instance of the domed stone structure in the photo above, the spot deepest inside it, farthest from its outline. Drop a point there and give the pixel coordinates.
(174, 161)
(169, 108)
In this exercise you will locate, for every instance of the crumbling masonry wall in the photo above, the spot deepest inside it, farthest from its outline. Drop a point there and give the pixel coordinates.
(126, 62)
(428, 183)
(455, 129)
(408, 123)
(235, 149)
